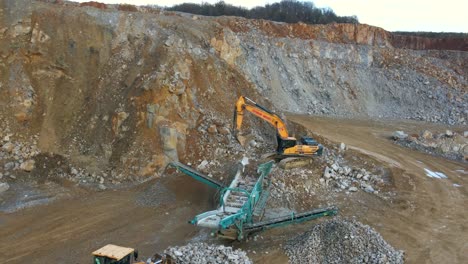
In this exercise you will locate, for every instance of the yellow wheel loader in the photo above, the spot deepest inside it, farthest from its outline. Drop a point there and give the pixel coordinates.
(112, 254)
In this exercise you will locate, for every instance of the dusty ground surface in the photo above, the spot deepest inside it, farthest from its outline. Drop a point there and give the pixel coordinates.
(68, 230)
(423, 216)
(426, 216)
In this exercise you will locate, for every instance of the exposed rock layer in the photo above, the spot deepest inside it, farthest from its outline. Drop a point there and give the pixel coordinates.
(122, 88)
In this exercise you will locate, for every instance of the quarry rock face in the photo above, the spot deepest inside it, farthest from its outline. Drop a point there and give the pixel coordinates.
(350, 70)
(125, 87)
(422, 43)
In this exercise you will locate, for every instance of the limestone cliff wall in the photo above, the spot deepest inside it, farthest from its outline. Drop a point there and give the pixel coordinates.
(422, 43)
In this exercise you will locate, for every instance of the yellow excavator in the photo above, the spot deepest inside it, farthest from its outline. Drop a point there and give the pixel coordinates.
(287, 146)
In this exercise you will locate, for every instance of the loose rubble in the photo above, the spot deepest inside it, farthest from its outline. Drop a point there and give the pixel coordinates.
(22, 155)
(448, 144)
(347, 178)
(338, 172)
(17, 154)
(203, 253)
(343, 176)
(341, 241)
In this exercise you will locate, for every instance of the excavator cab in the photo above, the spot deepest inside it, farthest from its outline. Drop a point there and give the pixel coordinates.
(309, 141)
(284, 143)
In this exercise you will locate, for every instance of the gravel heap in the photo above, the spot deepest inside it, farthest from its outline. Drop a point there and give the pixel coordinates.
(449, 144)
(343, 176)
(348, 178)
(205, 254)
(300, 186)
(17, 154)
(341, 241)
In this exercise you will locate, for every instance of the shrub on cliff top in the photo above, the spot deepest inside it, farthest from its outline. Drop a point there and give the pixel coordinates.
(289, 11)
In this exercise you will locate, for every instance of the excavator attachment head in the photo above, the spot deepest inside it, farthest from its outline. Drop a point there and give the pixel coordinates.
(244, 139)
(241, 139)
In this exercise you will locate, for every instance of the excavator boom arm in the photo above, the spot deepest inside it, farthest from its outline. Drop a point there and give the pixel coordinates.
(244, 103)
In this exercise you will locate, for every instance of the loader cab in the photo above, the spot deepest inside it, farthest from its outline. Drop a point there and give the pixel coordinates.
(112, 254)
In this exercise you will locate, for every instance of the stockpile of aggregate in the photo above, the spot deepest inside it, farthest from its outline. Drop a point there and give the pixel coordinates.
(341, 241)
(202, 253)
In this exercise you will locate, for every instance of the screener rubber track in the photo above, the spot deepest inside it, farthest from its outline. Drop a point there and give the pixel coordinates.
(290, 219)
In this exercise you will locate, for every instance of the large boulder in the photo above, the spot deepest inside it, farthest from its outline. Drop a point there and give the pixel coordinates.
(4, 187)
(449, 133)
(399, 135)
(427, 134)
(28, 165)
(8, 147)
(169, 141)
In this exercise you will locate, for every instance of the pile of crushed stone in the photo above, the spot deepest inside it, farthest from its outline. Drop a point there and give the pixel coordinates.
(204, 253)
(341, 241)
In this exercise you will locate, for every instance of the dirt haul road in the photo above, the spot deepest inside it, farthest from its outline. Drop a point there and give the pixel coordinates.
(426, 217)
(149, 218)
